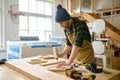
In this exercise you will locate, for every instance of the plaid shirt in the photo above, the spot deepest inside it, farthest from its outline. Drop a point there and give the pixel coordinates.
(81, 31)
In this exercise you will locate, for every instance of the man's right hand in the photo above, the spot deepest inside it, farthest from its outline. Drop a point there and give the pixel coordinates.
(60, 55)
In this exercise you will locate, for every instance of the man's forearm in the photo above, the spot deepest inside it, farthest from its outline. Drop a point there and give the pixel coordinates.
(73, 54)
(66, 50)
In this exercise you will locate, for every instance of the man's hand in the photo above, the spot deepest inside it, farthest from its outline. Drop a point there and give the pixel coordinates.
(62, 64)
(60, 55)
(66, 50)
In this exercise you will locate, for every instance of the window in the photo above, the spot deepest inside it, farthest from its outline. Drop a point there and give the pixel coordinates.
(38, 18)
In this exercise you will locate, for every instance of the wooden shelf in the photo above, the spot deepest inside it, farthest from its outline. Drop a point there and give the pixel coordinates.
(102, 39)
(107, 11)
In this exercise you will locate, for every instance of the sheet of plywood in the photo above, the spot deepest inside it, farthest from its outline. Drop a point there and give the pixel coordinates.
(34, 72)
(9, 74)
(37, 72)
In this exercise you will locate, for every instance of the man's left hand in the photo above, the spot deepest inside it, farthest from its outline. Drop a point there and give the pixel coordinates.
(62, 64)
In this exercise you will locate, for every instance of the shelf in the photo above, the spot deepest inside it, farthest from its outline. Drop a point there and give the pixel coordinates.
(102, 39)
(108, 10)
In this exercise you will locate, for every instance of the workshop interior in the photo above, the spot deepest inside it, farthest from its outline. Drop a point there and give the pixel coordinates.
(31, 40)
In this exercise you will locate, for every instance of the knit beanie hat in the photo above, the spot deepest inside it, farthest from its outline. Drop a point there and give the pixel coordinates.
(61, 14)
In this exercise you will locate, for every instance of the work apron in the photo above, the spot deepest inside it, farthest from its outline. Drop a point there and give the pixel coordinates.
(86, 53)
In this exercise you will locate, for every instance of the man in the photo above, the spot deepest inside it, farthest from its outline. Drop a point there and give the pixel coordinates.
(77, 36)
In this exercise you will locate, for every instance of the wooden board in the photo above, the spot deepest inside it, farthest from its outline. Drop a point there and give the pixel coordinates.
(37, 61)
(9, 74)
(34, 72)
(47, 57)
(51, 62)
(37, 72)
(46, 61)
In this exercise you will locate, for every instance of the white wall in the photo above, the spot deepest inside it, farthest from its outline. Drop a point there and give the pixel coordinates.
(10, 28)
(58, 31)
(102, 4)
(117, 3)
(114, 20)
(105, 4)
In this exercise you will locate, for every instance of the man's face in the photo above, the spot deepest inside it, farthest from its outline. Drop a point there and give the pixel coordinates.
(64, 24)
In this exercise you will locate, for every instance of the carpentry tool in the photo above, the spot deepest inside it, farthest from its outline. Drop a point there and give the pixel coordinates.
(92, 66)
(55, 52)
(77, 75)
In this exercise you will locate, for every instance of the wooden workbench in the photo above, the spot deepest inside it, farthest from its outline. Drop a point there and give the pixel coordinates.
(7, 73)
(27, 71)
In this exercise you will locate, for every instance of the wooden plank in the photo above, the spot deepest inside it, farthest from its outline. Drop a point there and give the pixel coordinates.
(50, 63)
(67, 5)
(37, 61)
(108, 10)
(92, 5)
(34, 72)
(9, 74)
(72, 6)
(112, 7)
(21, 69)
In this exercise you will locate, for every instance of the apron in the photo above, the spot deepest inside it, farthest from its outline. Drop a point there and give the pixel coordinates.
(86, 53)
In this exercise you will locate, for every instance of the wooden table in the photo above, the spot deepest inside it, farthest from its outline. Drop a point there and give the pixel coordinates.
(22, 70)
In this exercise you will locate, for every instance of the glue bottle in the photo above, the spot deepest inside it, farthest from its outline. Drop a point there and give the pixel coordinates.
(49, 37)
